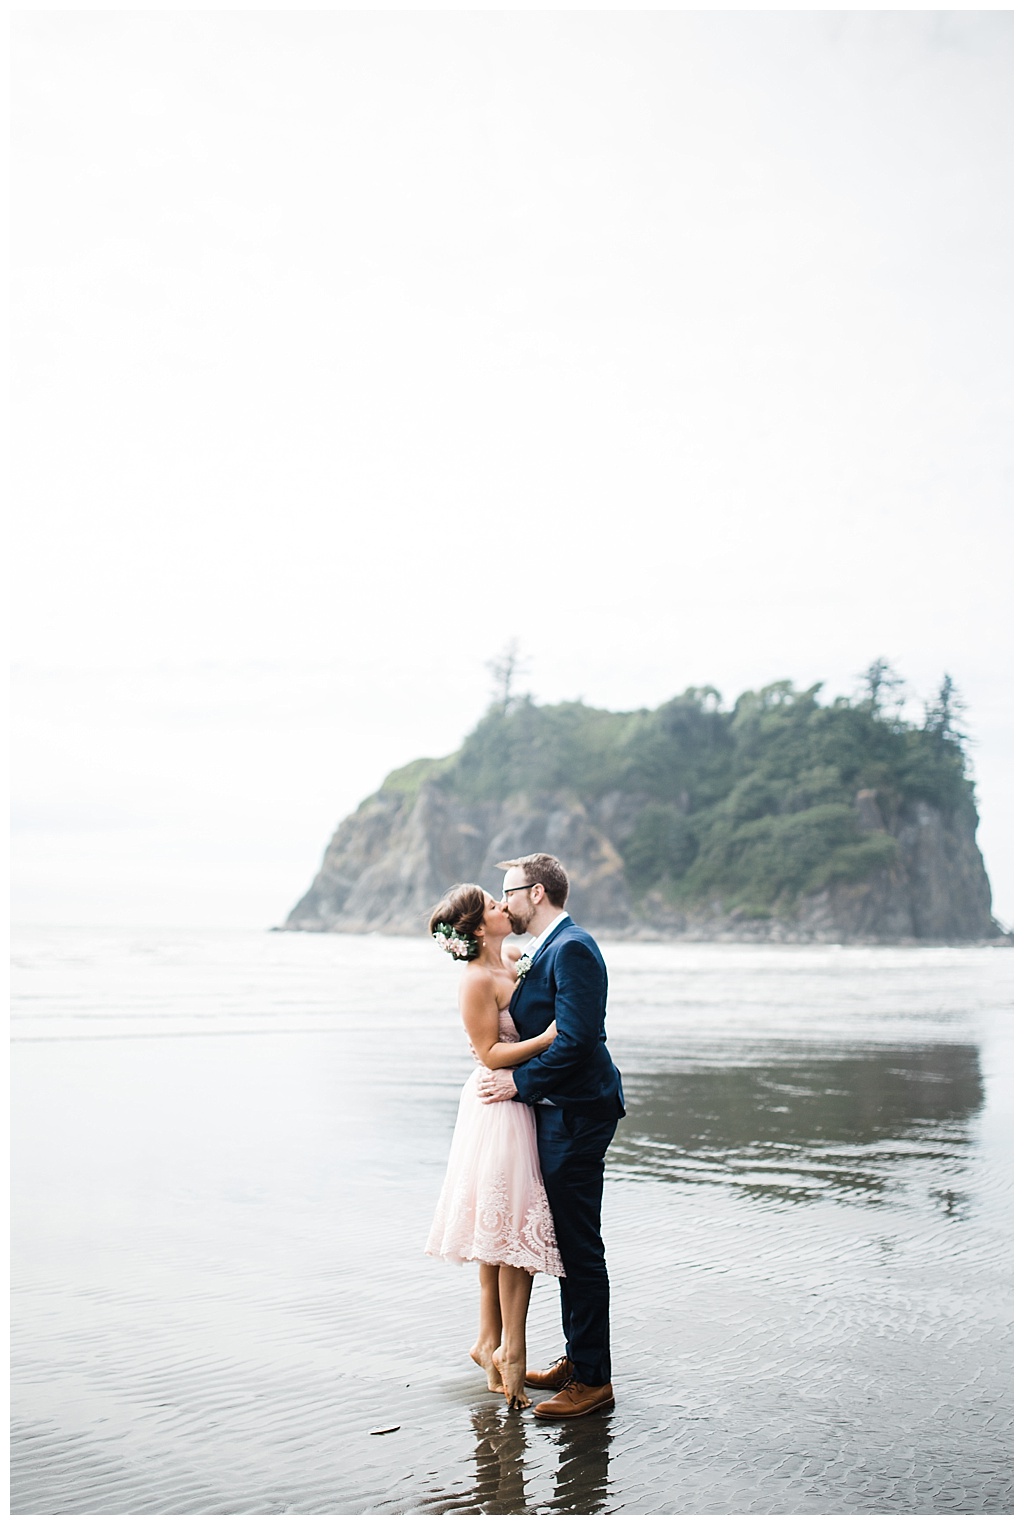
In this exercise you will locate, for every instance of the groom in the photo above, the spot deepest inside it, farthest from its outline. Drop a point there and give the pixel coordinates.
(576, 1093)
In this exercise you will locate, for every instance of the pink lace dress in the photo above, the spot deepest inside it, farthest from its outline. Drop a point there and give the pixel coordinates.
(493, 1207)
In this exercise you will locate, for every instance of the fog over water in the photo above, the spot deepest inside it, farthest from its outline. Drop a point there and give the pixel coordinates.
(349, 345)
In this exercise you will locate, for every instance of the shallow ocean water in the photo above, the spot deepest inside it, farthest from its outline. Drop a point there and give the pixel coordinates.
(226, 1148)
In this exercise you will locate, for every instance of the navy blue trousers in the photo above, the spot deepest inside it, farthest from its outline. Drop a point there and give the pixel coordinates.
(572, 1150)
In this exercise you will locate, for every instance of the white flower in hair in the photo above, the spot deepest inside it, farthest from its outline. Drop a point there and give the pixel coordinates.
(459, 947)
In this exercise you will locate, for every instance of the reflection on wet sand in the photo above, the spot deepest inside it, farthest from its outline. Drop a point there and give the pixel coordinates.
(579, 1484)
(219, 1285)
(581, 1476)
(814, 1125)
(501, 1446)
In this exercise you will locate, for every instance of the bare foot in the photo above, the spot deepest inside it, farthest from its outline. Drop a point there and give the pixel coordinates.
(512, 1375)
(484, 1359)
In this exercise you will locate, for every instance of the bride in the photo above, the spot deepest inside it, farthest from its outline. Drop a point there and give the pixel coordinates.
(493, 1208)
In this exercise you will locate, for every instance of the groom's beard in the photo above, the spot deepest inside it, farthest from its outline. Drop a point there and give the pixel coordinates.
(519, 926)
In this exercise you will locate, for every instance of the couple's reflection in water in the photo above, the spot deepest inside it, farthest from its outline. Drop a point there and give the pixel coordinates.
(573, 1481)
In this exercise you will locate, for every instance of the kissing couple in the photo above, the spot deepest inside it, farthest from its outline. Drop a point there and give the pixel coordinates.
(522, 1192)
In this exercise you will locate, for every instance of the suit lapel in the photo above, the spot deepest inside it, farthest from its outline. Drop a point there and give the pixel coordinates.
(548, 943)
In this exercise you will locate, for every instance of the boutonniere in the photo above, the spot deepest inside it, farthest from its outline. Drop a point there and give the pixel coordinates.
(523, 967)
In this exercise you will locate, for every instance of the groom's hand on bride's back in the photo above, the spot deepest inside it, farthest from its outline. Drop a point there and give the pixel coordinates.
(496, 1085)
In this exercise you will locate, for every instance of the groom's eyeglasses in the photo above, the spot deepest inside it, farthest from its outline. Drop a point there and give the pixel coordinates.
(506, 893)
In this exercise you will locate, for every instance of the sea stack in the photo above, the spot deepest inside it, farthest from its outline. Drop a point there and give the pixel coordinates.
(780, 820)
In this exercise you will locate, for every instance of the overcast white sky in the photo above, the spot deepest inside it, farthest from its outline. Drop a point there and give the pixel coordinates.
(349, 345)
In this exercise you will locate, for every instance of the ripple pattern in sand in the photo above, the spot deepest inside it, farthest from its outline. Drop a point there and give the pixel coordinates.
(219, 1289)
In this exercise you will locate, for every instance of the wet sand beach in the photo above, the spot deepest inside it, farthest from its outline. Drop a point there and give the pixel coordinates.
(227, 1148)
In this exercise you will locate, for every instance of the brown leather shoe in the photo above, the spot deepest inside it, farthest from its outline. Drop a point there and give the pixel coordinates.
(554, 1378)
(574, 1399)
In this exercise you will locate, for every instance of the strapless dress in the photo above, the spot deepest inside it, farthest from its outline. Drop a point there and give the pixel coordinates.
(493, 1207)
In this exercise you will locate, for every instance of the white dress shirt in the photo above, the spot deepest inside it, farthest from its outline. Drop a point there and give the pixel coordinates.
(532, 947)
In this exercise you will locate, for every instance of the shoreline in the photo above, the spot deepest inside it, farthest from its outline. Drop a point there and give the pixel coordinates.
(774, 933)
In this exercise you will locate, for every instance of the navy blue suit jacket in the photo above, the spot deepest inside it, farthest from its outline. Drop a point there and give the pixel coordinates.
(567, 982)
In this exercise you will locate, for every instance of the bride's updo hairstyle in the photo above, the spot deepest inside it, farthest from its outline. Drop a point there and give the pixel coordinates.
(455, 918)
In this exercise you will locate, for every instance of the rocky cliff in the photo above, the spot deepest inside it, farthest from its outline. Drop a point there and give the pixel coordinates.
(782, 818)
(390, 861)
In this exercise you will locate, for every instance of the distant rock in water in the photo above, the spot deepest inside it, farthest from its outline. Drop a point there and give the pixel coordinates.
(780, 820)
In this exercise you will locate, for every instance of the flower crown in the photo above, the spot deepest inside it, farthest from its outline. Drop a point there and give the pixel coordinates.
(461, 945)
